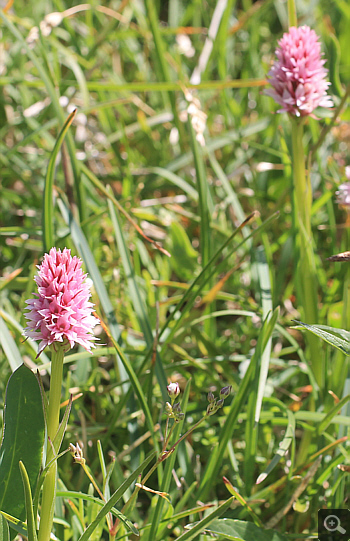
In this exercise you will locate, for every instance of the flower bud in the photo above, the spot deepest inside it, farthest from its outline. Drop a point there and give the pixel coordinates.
(77, 453)
(168, 409)
(212, 408)
(220, 403)
(211, 397)
(225, 391)
(173, 390)
(177, 408)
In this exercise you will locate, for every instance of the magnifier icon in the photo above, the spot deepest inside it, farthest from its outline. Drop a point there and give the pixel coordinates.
(332, 524)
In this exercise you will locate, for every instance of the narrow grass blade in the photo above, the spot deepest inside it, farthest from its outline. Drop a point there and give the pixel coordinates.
(288, 439)
(266, 302)
(231, 198)
(9, 346)
(161, 86)
(203, 194)
(188, 299)
(176, 180)
(71, 494)
(90, 175)
(226, 432)
(115, 498)
(152, 18)
(47, 82)
(209, 42)
(14, 325)
(31, 530)
(103, 470)
(205, 211)
(136, 386)
(136, 298)
(205, 522)
(242, 501)
(48, 211)
(82, 245)
(328, 419)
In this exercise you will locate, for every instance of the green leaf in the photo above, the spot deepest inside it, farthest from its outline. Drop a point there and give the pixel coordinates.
(318, 330)
(188, 299)
(48, 214)
(136, 385)
(266, 301)
(240, 530)
(80, 496)
(136, 297)
(29, 503)
(4, 529)
(324, 424)
(175, 179)
(183, 256)
(205, 522)
(115, 498)
(284, 444)
(45, 78)
(9, 346)
(83, 248)
(16, 524)
(226, 432)
(23, 439)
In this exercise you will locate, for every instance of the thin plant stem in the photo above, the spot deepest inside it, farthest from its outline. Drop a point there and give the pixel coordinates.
(49, 486)
(163, 456)
(305, 265)
(292, 13)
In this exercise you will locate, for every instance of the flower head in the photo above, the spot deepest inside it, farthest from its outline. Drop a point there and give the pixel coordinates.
(298, 77)
(173, 390)
(62, 311)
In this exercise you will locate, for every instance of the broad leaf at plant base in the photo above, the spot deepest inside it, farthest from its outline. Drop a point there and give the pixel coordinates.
(23, 439)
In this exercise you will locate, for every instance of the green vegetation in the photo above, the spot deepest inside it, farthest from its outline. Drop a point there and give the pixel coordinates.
(172, 152)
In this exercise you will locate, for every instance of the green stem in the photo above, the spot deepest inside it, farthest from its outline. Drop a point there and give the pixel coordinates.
(292, 13)
(305, 265)
(53, 419)
(163, 456)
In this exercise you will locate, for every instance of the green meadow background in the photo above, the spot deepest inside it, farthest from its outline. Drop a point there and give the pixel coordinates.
(131, 184)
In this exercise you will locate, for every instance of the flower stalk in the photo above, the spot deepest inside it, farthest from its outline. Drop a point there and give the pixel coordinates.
(178, 416)
(307, 279)
(49, 486)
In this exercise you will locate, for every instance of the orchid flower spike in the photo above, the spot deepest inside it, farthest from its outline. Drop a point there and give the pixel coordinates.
(298, 77)
(61, 311)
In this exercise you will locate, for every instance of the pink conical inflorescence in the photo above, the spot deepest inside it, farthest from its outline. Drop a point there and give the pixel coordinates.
(62, 311)
(298, 76)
